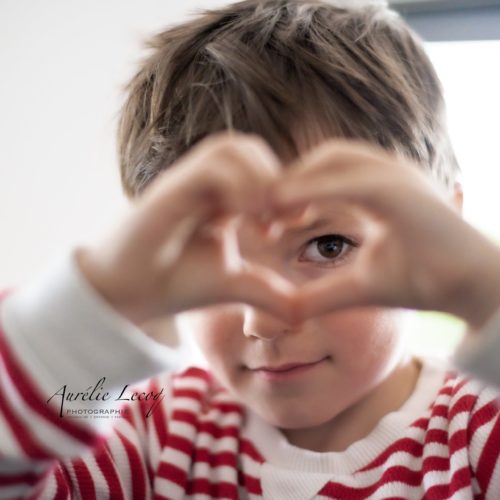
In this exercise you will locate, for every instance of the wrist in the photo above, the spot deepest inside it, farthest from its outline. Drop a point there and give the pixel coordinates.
(112, 289)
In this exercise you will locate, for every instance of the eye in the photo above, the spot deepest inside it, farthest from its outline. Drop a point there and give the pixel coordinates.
(330, 248)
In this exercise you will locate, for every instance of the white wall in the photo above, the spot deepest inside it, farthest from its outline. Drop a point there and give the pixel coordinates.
(62, 64)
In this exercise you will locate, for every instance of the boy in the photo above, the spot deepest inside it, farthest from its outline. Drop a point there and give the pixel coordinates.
(287, 257)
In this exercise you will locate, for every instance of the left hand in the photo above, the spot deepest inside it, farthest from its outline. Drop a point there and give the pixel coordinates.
(419, 253)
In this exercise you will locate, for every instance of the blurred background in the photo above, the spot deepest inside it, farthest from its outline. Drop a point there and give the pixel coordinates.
(64, 62)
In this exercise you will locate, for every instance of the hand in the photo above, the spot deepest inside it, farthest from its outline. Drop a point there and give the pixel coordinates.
(173, 250)
(418, 251)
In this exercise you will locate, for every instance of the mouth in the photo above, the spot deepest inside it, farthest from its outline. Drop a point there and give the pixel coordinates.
(286, 371)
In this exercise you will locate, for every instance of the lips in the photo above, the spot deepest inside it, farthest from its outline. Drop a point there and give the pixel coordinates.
(285, 370)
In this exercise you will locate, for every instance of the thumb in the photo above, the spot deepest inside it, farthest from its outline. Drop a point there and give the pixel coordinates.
(342, 290)
(266, 289)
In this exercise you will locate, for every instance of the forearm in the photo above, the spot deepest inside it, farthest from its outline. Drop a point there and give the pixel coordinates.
(60, 337)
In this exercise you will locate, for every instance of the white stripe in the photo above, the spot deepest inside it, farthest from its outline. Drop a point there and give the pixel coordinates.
(120, 458)
(459, 421)
(183, 429)
(494, 486)
(185, 403)
(139, 442)
(19, 466)
(55, 441)
(194, 383)
(250, 466)
(9, 444)
(10, 492)
(459, 459)
(397, 488)
(228, 443)
(75, 490)
(436, 450)
(167, 488)
(98, 480)
(154, 448)
(436, 478)
(176, 457)
(478, 441)
(222, 419)
(226, 473)
(462, 493)
(437, 422)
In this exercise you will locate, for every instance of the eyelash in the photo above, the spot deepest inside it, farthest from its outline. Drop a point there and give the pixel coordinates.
(343, 254)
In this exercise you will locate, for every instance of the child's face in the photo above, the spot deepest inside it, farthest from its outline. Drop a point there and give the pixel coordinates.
(341, 356)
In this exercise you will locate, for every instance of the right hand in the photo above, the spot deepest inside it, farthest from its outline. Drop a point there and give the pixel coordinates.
(167, 257)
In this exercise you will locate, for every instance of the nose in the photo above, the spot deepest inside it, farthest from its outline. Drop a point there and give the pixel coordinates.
(258, 324)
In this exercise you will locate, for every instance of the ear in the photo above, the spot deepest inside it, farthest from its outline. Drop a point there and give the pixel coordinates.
(457, 197)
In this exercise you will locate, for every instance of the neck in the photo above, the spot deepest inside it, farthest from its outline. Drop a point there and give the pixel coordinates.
(357, 421)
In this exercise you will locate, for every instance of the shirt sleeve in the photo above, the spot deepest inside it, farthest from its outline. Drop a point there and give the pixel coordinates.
(479, 353)
(58, 336)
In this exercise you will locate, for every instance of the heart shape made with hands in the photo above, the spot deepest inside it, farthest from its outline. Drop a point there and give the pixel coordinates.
(296, 302)
(401, 212)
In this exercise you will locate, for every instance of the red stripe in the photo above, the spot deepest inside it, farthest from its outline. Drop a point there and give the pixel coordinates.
(36, 401)
(215, 430)
(421, 423)
(226, 407)
(457, 388)
(160, 421)
(172, 473)
(250, 483)
(460, 479)
(23, 435)
(438, 436)
(107, 467)
(398, 474)
(446, 390)
(440, 410)
(458, 441)
(489, 457)
(62, 486)
(136, 468)
(434, 463)
(215, 490)
(481, 417)
(407, 445)
(25, 478)
(464, 404)
(222, 458)
(186, 392)
(247, 448)
(180, 443)
(185, 416)
(196, 372)
(84, 479)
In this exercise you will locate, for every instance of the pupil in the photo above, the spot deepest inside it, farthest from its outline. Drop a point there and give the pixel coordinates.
(329, 246)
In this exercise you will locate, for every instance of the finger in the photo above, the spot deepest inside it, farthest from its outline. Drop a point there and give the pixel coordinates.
(229, 172)
(342, 290)
(265, 289)
(348, 171)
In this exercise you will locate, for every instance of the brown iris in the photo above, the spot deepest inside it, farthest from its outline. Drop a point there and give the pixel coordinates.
(330, 246)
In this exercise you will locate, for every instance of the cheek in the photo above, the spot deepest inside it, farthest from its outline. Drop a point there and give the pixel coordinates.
(218, 333)
(366, 340)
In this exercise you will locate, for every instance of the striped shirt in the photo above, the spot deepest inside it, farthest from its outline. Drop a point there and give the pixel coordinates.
(186, 437)
(200, 443)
